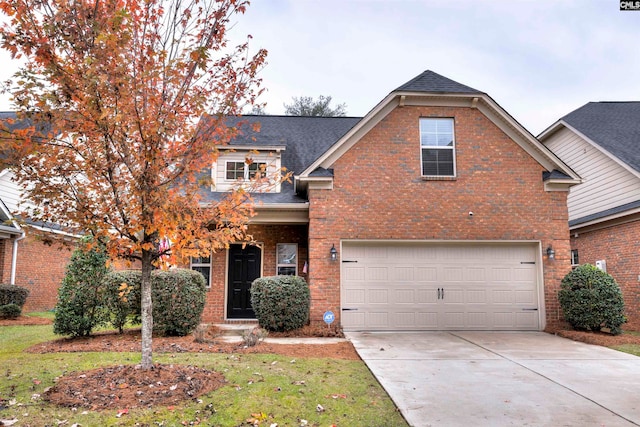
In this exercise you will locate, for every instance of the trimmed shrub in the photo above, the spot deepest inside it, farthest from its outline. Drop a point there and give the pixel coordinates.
(10, 311)
(178, 298)
(281, 303)
(178, 301)
(80, 306)
(591, 299)
(12, 294)
(122, 298)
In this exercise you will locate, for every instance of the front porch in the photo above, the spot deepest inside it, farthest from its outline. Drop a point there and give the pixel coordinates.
(278, 249)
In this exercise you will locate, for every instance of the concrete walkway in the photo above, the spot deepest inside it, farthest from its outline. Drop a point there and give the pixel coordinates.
(503, 379)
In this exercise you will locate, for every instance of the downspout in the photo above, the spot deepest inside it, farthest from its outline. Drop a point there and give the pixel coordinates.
(14, 258)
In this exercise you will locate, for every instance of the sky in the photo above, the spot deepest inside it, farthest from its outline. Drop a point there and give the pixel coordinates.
(538, 59)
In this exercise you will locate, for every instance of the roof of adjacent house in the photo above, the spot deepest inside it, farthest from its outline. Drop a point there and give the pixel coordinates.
(432, 82)
(614, 126)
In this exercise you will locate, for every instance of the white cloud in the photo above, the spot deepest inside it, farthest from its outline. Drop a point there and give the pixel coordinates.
(539, 59)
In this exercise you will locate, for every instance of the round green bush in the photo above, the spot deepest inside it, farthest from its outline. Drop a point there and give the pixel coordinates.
(10, 311)
(591, 300)
(281, 303)
(178, 297)
(12, 294)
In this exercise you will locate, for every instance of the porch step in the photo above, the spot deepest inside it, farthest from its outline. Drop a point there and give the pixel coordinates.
(235, 328)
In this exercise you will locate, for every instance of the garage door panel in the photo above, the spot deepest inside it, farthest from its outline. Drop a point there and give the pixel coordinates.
(452, 274)
(377, 274)
(352, 297)
(426, 296)
(426, 274)
(525, 297)
(475, 274)
(388, 286)
(378, 296)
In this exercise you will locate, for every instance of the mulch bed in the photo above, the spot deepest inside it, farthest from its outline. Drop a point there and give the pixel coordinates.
(118, 387)
(127, 387)
(25, 321)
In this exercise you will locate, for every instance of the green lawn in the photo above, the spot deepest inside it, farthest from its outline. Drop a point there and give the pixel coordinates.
(286, 391)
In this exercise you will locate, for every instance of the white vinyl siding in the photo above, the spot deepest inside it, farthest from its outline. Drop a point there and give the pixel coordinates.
(219, 169)
(606, 184)
(9, 192)
(440, 286)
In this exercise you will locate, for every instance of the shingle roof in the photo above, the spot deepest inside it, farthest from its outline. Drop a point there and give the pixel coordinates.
(432, 82)
(305, 138)
(615, 126)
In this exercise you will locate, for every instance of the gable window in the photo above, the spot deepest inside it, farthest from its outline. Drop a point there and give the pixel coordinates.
(203, 266)
(437, 147)
(244, 171)
(287, 257)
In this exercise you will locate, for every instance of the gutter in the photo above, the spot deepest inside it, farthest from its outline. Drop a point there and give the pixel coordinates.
(14, 257)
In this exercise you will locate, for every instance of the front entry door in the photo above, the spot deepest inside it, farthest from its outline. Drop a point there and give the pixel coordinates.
(244, 268)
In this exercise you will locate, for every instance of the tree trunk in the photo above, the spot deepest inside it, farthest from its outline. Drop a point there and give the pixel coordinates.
(147, 311)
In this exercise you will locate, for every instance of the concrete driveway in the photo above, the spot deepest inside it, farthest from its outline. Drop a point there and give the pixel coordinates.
(502, 379)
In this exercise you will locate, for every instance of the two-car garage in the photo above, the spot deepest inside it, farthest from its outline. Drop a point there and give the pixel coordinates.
(441, 286)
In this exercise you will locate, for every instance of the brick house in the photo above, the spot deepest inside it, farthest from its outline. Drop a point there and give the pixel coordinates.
(600, 142)
(29, 256)
(437, 210)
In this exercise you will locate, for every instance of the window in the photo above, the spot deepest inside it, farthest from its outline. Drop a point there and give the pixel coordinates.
(203, 266)
(287, 258)
(574, 257)
(240, 170)
(437, 147)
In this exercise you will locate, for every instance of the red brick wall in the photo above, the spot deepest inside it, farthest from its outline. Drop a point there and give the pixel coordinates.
(269, 236)
(618, 246)
(40, 268)
(379, 194)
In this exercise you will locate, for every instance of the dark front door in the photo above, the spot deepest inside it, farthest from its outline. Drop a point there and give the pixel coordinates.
(244, 268)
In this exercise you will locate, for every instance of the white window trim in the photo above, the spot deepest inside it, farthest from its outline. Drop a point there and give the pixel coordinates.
(246, 170)
(278, 265)
(192, 264)
(577, 255)
(438, 147)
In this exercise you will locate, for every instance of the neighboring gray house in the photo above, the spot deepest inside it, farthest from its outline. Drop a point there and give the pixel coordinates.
(600, 141)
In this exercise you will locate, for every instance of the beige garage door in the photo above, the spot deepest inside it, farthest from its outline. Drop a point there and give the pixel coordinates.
(419, 286)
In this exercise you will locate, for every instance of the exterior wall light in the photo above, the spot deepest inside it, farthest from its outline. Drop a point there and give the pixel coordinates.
(333, 252)
(551, 253)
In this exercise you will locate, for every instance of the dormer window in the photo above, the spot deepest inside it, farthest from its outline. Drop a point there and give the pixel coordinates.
(437, 147)
(243, 171)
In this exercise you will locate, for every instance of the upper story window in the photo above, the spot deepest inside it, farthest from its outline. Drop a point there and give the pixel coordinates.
(243, 171)
(437, 147)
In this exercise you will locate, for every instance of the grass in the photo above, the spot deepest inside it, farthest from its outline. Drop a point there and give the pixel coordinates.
(269, 388)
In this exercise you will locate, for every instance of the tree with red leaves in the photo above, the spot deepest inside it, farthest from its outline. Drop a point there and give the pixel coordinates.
(122, 86)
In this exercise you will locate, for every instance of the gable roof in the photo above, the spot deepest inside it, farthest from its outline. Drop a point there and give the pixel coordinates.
(614, 126)
(430, 88)
(429, 81)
